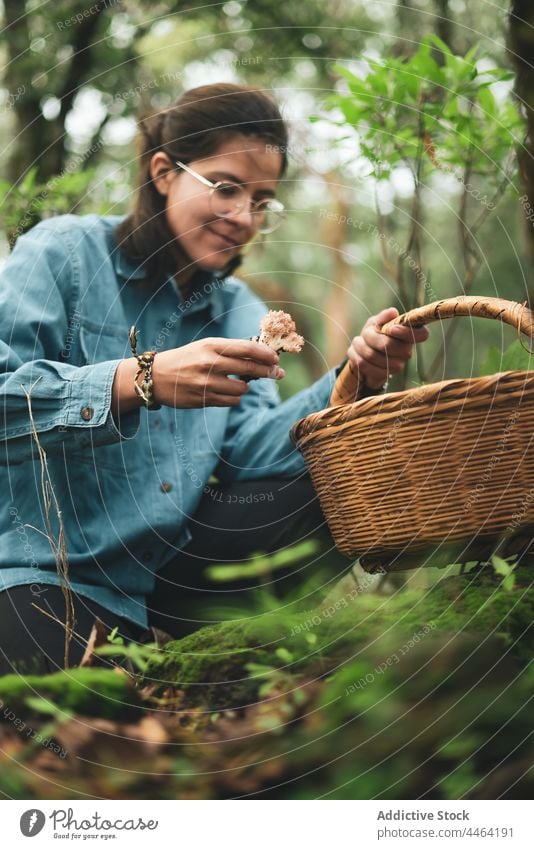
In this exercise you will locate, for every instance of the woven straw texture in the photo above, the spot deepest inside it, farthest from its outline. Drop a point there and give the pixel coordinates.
(449, 461)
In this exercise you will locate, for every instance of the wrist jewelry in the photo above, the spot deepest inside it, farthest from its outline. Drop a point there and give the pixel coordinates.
(144, 361)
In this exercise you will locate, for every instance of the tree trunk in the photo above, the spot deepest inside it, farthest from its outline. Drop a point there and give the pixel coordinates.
(444, 23)
(337, 322)
(38, 141)
(521, 45)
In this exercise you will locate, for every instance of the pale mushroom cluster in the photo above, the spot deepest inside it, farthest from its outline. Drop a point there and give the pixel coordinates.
(278, 331)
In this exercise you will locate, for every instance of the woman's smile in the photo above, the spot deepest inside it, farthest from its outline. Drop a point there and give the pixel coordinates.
(224, 240)
(209, 241)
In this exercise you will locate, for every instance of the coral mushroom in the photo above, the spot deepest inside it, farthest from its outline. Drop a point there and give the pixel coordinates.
(278, 331)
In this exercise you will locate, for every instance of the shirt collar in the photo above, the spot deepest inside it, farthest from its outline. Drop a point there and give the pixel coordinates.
(207, 285)
(126, 268)
(206, 293)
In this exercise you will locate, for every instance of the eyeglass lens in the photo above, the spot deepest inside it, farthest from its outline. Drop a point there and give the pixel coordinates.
(229, 199)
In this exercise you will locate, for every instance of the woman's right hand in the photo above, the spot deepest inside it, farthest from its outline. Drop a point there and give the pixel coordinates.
(196, 375)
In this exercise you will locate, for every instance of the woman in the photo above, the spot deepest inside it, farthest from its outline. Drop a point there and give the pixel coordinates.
(131, 444)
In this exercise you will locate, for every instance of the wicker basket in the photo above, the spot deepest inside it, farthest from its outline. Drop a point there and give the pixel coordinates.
(445, 466)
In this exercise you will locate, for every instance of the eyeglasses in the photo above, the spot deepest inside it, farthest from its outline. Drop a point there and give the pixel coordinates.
(227, 199)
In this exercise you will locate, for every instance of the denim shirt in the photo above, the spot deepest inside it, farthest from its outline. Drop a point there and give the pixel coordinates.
(126, 490)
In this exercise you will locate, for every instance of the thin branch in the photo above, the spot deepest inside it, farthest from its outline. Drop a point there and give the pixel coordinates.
(381, 221)
(471, 255)
(59, 550)
(414, 234)
(79, 636)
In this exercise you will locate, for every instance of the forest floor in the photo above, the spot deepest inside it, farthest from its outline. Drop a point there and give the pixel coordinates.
(408, 694)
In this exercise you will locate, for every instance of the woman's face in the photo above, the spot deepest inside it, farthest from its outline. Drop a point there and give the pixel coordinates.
(209, 242)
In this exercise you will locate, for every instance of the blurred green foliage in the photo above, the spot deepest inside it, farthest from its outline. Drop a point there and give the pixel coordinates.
(419, 694)
(407, 106)
(73, 85)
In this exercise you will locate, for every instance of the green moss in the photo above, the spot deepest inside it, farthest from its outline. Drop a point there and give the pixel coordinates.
(92, 692)
(213, 664)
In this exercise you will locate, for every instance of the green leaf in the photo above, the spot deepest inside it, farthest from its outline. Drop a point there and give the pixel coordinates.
(501, 567)
(426, 67)
(509, 583)
(42, 705)
(284, 654)
(471, 55)
(461, 746)
(259, 670)
(344, 72)
(27, 186)
(487, 102)
(436, 41)
(499, 74)
(515, 358)
(262, 564)
(406, 80)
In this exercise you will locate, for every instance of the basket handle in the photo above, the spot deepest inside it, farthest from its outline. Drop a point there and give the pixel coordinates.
(348, 385)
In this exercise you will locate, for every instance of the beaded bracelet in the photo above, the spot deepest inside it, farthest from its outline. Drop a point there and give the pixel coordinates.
(144, 361)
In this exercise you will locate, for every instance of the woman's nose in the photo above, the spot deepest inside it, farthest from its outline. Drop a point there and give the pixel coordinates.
(244, 217)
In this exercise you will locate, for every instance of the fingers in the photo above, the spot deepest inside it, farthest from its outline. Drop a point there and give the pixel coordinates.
(380, 359)
(244, 349)
(224, 401)
(375, 376)
(400, 332)
(250, 368)
(409, 334)
(229, 387)
(385, 344)
(385, 315)
(377, 355)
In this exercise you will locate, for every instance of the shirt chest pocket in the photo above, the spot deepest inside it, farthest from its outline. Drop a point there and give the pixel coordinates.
(99, 343)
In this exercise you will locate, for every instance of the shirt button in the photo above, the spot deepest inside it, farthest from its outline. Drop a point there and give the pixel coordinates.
(166, 486)
(147, 556)
(87, 413)
(156, 422)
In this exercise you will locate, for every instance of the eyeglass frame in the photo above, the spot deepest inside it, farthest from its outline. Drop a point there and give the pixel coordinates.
(204, 180)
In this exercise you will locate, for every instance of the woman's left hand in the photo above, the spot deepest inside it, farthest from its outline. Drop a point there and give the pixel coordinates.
(375, 356)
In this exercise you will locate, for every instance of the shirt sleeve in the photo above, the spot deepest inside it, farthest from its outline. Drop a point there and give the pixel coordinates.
(70, 405)
(257, 442)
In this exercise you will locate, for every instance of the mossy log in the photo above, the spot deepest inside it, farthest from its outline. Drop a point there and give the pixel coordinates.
(212, 665)
(105, 693)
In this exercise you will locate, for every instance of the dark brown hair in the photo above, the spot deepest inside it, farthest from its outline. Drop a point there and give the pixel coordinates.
(200, 121)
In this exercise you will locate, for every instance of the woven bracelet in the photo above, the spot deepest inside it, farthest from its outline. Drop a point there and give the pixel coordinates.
(144, 361)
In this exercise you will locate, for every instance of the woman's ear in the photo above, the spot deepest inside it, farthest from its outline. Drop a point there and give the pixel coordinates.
(162, 172)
